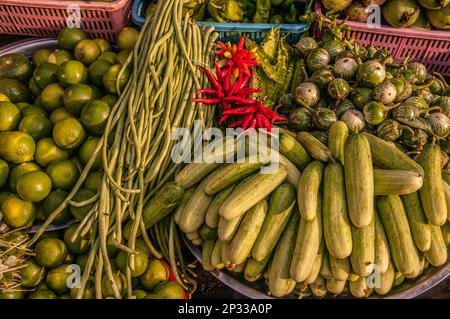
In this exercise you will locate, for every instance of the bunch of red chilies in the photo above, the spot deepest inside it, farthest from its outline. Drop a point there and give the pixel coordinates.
(231, 92)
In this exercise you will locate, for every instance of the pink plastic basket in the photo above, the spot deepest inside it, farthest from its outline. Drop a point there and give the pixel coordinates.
(430, 47)
(47, 17)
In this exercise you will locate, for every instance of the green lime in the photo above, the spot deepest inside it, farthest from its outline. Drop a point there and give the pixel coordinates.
(32, 274)
(33, 109)
(63, 173)
(50, 252)
(59, 56)
(96, 71)
(34, 88)
(155, 274)
(95, 115)
(47, 151)
(4, 98)
(12, 295)
(43, 294)
(22, 105)
(20, 170)
(170, 290)
(89, 290)
(127, 38)
(52, 202)
(17, 147)
(60, 114)
(82, 195)
(108, 56)
(68, 133)
(40, 56)
(104, 45)
(18, 213)
(93, 181)
(111, 78)
(87, 150)
(34, 186)
(110, 99)
(80, 245)
(15, 90)
(15, 66)
(57, 279)
(36, 125)
(9, 116)
(140, 262)
(120, 281)
(4, 196)
(140, 294)
(122, 56)
(87, 51)
(38, 101)
(140, 243)
(45, 74)
(52, 97)
(77, 96)
(69, 37)
(72, 72)
(4, 172)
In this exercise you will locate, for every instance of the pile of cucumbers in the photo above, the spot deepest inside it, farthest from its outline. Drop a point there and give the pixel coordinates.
(356, 216)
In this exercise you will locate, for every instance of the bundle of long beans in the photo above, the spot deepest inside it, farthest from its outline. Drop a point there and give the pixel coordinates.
(136, 144)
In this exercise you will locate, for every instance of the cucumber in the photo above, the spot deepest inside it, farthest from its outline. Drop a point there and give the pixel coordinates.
(446, 233)
(308, 189)
(238, 269)
(388, 156)
(401, 244)
(307, 245)
(359, 288)
(359, 180)
(315, 148)
(294, 151)
(164, 202)
(212, 214)
(420, 266)
(418, 222)
(335, 286)
(207, 233)
(279, 282)
(216, 260)
(254, 269)
(363, 253)
(340, 268)
(336, 224)
(194, 212)
(227, 228)
(179, 211)
(325, 269)
(336, 140)
(386, 281)
(399, 278)
(396, 182)
(432, 193)
(318, 287)
(248, 194)
(242, 243)
(293, 174)
(281, 205)
(193, 236)
(317, 265)
(447, 197)
(230, 174)
(437, 255)
(382, 253)
(224, 254)
(208, 246)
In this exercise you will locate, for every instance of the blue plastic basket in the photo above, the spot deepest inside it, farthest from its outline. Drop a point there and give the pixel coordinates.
(232, 31)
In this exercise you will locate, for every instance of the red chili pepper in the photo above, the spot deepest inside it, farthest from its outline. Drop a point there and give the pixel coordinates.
(241, 43)
(246, 121)
(240, 110)
(227, 84)
(207, 91)
(218, 72)
(266, 123)
(226, 105)
(279, 118)
(248, 91)
(252, 124)
(224, 118)
(240, 100)
(259, 122)
(207, 101)
(236, 124)
(211, 77)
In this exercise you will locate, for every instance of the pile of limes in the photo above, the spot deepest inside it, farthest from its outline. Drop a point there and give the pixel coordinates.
(53, 110)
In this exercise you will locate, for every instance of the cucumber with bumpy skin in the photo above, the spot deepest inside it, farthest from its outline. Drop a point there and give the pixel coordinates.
(227, 228)
(281, 205)
(249, 193)
(446, 233)
(336, 223)
(382, 253)
(336, 140)
(432, 192)
(396, 182)
(308, 189)
(244, 239)
(359, 182)
(318, 287)
(363, 253)
(212, 214)
(418, 222)
(294, 151)
(325, 269)
(216, 260)
(447, 197)
(437, 254)
(340, 268)
(254, 269)
(401, 244)
(280, 283)
(208, 246)
(359, 288)
(187, 194)
(315, 148)
(335, 286)
(386, 281)
(317, 265)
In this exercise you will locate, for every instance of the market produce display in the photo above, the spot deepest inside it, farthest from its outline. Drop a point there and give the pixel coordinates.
(357, 205)
(420, 14)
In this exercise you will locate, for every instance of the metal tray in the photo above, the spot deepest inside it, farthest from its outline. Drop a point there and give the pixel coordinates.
(257, 290)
